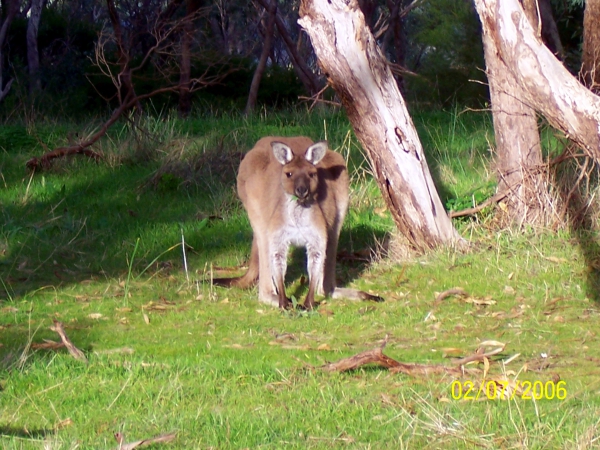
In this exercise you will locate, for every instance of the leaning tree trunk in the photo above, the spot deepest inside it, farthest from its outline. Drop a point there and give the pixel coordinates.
(545, 84)
(359, 73)
(590, 68)
(521, 180)
(262, 62)
(33, 56)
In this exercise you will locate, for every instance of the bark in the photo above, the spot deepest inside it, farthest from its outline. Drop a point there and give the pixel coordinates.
(545, 84)
(521, 181)
(590, 68)
(359, 73)
(33, 56)
(262, 62)
(12, 7)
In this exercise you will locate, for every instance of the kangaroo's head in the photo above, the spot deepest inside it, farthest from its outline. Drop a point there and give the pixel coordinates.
(299, 172)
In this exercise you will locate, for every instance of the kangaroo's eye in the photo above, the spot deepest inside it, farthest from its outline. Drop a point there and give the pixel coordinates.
(288, 174)
(312, 175)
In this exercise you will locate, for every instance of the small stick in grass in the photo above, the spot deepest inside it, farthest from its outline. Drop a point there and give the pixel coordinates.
(460, 292)
(132, 445)
(74, 351)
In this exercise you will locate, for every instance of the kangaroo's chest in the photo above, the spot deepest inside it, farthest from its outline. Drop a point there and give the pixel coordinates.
(302, 226)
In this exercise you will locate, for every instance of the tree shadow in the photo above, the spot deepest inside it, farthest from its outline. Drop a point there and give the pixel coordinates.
(22, 432)
(581, 215)
(105, 224)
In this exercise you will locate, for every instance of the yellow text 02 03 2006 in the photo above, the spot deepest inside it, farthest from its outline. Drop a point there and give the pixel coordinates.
(508, 390)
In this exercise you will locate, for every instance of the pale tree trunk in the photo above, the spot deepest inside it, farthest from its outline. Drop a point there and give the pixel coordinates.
(12, 7)
(262, 62)
(359, 73)
(518, 151)
(545, 84)
(590, 68)
(33, 56)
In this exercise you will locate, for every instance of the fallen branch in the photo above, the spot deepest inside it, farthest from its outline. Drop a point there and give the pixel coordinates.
(470, 211)
(354, 362)
(376, 356)
(459, 292)
(480, 354)
(44, 161)
(159, 439)
(74, 351)
(47, 345)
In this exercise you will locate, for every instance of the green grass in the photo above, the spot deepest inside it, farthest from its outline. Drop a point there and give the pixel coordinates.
(98, 248)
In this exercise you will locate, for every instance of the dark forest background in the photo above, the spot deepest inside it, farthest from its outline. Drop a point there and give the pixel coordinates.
(86, 47)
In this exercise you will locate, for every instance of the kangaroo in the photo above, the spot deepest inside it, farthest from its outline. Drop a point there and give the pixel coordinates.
(296, 193)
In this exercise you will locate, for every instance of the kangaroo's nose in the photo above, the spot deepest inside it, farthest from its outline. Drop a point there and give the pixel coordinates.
(301, 191)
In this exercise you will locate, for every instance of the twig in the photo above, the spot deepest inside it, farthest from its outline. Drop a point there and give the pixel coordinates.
(460, 292)
(470, 211)
(159, 439)
(74, 351)
(477, 356)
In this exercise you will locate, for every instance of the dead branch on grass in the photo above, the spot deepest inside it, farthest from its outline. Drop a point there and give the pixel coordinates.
(471, 211)
(479, 355)
(457, 291)
(74, 351)
(132, 445)
(376, 356)
(47, 345)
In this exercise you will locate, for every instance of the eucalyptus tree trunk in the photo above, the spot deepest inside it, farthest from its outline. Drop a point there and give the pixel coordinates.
(359, 73)
(519, 163)
(33, 56)
(262, 62)
(544, 82)
(590, 68)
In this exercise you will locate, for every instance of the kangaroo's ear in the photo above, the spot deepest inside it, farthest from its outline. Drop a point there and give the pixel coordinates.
(282, 152)
(316, 152)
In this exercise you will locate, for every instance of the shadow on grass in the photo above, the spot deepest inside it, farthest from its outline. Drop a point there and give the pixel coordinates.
(102, 224)
(22, 432)
(570, 180)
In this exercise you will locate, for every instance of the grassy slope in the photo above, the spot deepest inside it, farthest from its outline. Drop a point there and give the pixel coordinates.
(226, 372)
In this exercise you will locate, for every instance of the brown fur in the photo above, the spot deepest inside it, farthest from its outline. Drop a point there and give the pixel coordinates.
(295, 193)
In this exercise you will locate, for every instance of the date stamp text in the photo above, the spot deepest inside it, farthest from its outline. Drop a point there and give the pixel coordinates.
(508, 390)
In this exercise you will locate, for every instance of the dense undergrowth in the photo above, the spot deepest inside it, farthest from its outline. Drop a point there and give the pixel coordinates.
(98, 246)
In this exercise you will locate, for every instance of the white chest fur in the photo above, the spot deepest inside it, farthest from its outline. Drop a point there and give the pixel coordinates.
(301, 227)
